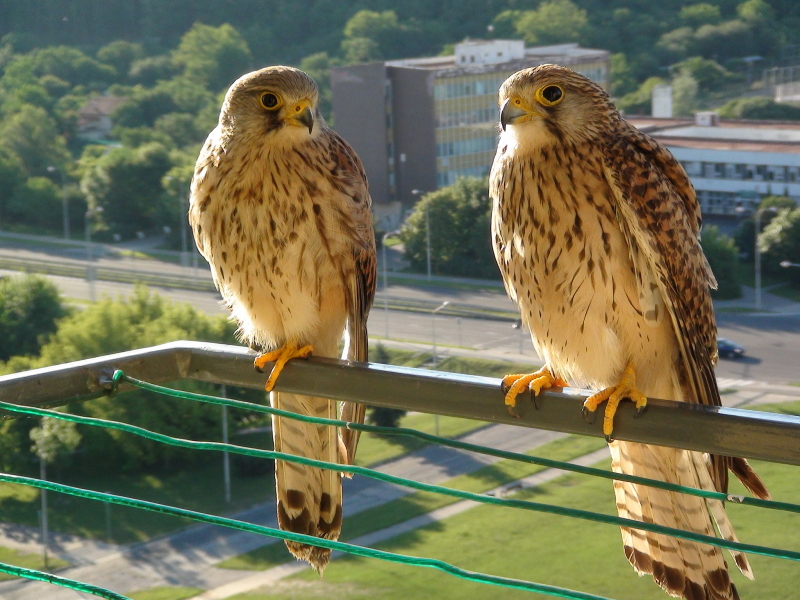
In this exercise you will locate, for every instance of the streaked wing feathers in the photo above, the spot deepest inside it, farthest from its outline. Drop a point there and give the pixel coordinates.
(351, 180)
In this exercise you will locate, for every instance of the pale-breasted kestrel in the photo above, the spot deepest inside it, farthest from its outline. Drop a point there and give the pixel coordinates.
(595, 227)
(281, 211)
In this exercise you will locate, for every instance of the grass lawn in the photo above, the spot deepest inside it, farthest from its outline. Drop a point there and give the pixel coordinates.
(579, 555)
(164, 593)
(548, 549)
(10, 556)
(403, 509)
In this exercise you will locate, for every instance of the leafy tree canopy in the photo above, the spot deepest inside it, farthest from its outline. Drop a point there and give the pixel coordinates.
(215, 56)
(30, 307)
(723, 256)
(759, 108)
(554, 22)
(459, 217)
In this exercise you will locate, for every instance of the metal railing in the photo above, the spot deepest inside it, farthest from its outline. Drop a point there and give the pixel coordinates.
(717, 430)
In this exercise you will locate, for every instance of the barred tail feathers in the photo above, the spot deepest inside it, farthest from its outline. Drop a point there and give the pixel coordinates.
(309, 499)
(682, 568)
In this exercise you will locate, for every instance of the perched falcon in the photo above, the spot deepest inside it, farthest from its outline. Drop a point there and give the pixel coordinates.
(595, 227)
(280, 209)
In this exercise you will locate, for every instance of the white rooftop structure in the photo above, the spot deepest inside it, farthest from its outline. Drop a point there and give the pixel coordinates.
(492, 52)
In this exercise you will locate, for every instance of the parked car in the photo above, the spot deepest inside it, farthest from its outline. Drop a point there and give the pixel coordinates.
(729, 349)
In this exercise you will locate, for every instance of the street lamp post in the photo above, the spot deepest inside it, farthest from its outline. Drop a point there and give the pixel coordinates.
(757, 253)
(428, 237)
(89, 253)
(386, 279)
(64, 207)
(433, 327)
(182, 215)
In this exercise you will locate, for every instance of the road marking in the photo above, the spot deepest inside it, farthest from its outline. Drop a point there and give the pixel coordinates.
(724, 382)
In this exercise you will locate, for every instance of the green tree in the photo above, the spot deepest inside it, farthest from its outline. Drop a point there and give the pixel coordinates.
(126, 184)
(684, 95)
(151, 70)
(755, 11)
(696, 15)
(318, 66)
(746, 232)
(640, 102)
(553, 22)
(12, 174)
(35, 203)
(459, 222)
(180, 127)
(371, 35)
(759, 108)
(30, 308)
(215, 56)
(709, 74)
(723, 256)
(121, 54)
(780, 241)
(54, 439)
(676, 45)
(111, 326)
(622, 80)
(32, 135)
(730, 39)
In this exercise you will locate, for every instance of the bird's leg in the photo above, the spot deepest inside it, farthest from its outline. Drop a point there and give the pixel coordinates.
(626, 388)
(280, 357)
(542, 379)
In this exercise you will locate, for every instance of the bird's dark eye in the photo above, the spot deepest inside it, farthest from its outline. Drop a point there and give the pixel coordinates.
(269, 100)
(551, 95)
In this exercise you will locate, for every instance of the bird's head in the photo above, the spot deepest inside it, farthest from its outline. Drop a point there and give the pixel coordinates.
(549, 105)
(280, 102)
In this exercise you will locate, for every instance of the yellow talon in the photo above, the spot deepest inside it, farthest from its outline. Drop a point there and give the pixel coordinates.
(280, 357)
(514, 384)
(626, 388)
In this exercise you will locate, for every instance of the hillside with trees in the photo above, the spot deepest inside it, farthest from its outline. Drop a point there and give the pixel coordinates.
(167, 64)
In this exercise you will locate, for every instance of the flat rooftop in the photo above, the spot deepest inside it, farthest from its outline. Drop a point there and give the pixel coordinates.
(729, 134)
(564, 54)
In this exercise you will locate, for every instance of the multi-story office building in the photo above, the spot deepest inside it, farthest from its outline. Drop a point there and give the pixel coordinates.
(732, 163)
(419, 124)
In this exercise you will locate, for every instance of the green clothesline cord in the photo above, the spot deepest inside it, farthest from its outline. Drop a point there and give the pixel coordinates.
(294, 537)
(525, 458)
(425, 487)
(62, 581)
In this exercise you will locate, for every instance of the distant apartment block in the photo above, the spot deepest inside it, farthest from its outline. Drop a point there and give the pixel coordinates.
(420, 124)
(732, 163)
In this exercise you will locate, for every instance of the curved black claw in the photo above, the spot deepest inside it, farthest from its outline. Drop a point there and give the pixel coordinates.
(259, 369)
(609, 439)
(589, 416)
(534, 398)
(511, 411)
(640, 411)
(503, 387)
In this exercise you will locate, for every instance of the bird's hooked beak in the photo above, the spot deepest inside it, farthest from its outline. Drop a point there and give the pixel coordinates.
(513, 109)
(301, 115)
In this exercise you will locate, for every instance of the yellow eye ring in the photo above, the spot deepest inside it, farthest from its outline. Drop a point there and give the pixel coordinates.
(549, 95)
(271, 101)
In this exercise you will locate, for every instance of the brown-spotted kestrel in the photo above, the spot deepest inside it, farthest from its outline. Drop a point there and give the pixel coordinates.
(595, 227)
(280, 209)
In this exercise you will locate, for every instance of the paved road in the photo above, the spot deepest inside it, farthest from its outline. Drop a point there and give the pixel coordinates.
(772, 340)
